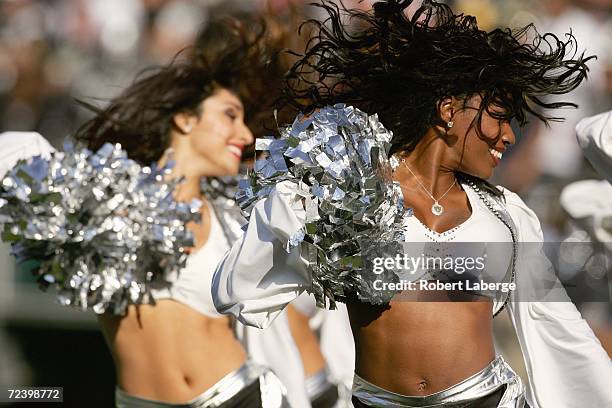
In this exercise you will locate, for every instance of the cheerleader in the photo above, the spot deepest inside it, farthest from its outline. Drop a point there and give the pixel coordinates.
(448, 91)
(180, 350)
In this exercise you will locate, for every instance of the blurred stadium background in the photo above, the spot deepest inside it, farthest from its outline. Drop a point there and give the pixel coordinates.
(52, 51)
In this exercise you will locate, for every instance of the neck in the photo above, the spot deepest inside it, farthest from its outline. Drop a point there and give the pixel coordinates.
(189, 188)
(429, 163)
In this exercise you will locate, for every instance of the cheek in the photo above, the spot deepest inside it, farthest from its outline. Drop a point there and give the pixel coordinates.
(481, 152)
(476, 152)
(211, 139)
(491, 129)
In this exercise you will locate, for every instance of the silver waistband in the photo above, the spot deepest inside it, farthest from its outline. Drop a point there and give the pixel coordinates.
(317, 383)
(271, 389)
(494, 376)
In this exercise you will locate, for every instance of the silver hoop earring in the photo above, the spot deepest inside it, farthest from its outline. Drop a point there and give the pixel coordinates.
(450, 124)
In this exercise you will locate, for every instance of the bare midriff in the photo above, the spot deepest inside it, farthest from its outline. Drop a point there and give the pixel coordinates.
(418, 348)
(169, 352)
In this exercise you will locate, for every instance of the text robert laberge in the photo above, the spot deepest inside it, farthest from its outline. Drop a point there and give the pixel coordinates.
(461, 285)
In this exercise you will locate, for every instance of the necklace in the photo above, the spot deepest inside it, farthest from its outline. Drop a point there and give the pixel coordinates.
(436, 207)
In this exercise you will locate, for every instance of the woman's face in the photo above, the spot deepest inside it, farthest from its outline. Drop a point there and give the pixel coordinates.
(476, 154)
(218, 136)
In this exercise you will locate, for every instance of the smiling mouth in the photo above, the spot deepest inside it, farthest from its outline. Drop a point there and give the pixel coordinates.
(498, 155)
(235, 150)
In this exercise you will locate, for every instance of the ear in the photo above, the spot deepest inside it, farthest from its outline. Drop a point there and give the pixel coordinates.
(446, 109)
(185, 122)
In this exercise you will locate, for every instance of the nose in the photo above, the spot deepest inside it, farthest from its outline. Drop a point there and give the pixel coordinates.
(508, 138)
(246, 135)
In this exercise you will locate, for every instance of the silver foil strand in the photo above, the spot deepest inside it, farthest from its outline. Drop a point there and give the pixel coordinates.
(338, 159)
(102, 227)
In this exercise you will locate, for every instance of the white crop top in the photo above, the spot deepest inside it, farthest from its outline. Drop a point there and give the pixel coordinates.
(480, 248)
(192, 286)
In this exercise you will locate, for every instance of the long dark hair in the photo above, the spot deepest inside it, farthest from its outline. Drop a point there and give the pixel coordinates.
(400, 68)
(275, 35)
(141, 117)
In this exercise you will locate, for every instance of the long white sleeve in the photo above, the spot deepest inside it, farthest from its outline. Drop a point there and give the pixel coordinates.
(566, 363)
(595, 138)
(257, 277)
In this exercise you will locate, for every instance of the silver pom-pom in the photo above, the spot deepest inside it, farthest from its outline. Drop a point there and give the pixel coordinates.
(338, 158)
(103, 228)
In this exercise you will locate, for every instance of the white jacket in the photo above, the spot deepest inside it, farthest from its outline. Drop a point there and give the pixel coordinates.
(566, 364)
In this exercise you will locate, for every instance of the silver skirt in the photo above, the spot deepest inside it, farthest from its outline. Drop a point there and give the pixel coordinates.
(270, 388)
(487, 381)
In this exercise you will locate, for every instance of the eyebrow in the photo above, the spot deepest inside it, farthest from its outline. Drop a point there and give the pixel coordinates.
(235, 105)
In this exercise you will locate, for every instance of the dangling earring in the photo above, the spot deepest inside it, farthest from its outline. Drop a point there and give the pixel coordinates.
(450, 124)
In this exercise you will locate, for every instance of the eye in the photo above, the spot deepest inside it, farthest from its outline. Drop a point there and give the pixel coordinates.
(230, 113)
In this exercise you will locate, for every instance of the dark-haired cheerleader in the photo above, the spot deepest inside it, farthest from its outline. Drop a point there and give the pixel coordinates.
(180, 350)
(448, 91)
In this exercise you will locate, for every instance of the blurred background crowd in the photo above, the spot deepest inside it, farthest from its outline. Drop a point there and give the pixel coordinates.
(53, 51)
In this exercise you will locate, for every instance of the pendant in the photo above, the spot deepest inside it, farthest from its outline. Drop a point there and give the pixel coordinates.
(437, 209)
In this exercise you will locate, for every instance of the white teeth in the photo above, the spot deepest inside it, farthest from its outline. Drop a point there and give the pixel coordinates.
(496, 153)
(234, 149)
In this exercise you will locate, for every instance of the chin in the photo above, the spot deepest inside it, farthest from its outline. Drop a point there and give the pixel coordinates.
(232, 171)
(488, 173)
